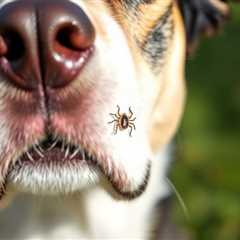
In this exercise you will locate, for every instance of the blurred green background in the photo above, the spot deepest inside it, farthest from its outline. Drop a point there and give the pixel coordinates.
(207, 169)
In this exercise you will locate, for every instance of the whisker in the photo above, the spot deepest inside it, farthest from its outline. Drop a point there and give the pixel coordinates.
(30, 157)
(75, 153)
(67, 151)
(40, 148)
(180, 198)
(53, 145)
(38, 151)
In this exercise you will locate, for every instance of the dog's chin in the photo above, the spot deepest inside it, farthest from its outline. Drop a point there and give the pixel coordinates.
(53, 178)
(68, 179)
(62, 169)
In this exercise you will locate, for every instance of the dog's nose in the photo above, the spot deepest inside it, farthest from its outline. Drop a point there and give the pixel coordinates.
(43, 42)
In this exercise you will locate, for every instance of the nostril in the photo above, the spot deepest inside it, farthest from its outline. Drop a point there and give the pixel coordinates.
(3, 47)
(44, 42)
(71, 37)
(11, 46)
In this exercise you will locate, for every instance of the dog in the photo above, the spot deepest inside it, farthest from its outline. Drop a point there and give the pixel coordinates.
(91, 94)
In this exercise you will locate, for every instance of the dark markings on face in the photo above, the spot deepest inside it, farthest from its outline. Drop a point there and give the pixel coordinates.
(2, 189)
(130, 4)
(136, 3)
(158, 40)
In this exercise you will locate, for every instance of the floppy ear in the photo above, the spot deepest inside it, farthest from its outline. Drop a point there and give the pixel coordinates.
(202, 17)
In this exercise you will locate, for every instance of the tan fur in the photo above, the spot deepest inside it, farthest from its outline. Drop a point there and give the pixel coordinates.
(148, 16)
(170, 101)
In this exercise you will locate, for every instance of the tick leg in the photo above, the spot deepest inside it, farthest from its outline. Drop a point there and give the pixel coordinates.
(116, 128)
(132, 120)
(113, 121)
(113, 115)
(130, 133)
(131, 113)
(132, 125)
(118, 112)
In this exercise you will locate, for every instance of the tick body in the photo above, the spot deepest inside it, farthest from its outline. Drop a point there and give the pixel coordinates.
(122, 121)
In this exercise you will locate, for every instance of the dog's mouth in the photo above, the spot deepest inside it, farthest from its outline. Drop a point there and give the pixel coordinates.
(52, 165)
(53, 150)
(56, 166)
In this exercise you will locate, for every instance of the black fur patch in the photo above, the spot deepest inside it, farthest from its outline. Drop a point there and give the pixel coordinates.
(2, 190)
(200, 17)
(135, 3)
(158, 40)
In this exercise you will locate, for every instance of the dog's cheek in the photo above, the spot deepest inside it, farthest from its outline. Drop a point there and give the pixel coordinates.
(171, 97)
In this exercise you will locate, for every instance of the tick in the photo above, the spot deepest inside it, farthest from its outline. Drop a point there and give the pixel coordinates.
(122, 121)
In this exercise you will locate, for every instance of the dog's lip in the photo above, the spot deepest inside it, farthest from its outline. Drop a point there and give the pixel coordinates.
(54, 158)
(53, 151)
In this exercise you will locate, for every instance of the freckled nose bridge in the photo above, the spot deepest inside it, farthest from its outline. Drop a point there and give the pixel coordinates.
(43, 42)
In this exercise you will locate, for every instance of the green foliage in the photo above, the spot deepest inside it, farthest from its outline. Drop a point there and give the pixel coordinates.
(207, 169)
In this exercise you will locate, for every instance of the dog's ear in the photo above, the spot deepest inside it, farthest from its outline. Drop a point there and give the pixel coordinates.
(202, 17)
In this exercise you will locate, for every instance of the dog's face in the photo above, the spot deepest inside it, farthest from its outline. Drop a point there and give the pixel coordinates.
(64, 67)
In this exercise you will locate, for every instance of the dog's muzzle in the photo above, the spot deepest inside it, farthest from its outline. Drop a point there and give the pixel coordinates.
(59, 80)
(43, 43)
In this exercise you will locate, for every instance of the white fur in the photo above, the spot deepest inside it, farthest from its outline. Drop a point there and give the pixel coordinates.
(91, 214)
